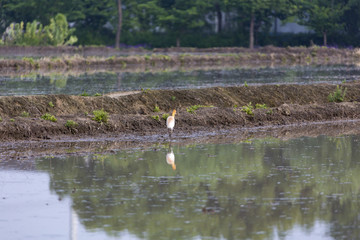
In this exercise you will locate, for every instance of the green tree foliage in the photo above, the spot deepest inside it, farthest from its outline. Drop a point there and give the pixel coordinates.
(323, 16)
(57, 33)
(163, 23)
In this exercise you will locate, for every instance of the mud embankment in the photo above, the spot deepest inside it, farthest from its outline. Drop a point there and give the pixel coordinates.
(101, 58)
(140, 113)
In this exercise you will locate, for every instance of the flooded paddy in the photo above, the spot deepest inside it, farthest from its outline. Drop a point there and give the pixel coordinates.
(105, 82)
(263, 188)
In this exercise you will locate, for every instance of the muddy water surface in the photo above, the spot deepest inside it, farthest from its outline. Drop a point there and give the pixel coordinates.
(257, 189)
(105, 82)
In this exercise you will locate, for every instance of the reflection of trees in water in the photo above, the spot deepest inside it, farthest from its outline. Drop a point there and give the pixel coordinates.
(230, 191)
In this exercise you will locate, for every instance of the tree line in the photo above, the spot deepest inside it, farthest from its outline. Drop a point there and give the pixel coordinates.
(191, 23)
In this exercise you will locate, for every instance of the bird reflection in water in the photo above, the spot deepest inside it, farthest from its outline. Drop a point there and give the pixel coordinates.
(170, 157)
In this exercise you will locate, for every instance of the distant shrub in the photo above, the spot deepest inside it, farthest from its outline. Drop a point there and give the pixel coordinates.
(338, 95)
(100, 116)
(165, 116)
(57, 33)
(248, 109)
(70, 124)
(49, 117)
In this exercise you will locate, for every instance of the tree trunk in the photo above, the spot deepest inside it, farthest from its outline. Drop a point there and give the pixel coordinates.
(219, 18)
(325, 38)
(119, 26)
(252, 23)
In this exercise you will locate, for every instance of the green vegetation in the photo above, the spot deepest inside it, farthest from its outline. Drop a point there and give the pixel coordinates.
(246, 84)
(248, 109)
(51, 104)
(25, 114)
(70, 124)
(338, 95)
(49, 117)
(57, 33)
(156, 117)
(156, 108)
(182, 23)
(165, 116)
(145, 90)
(97, 94)
(173, 98)
(85, 94)
(193, 108)
(261, 106)
(12, 120)
(100, 116)
(1, 119)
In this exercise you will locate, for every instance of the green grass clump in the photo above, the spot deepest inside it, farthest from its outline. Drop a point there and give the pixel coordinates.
(70, 124)
(25, 114)
(338, 95)
(1, 119)
(248, 109)
(97, 94)
(246, 84)
(173, 98)
(165, 116)
(100, 116)
(193, 108)
(85, 94)
(261, 106)
(156, 108)
(156, 117)
(12, 120)
(51, 104)
(49, 117)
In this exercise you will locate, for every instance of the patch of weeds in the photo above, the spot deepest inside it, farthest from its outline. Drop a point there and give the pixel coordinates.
(29, 59)
(100, 116)
(145, 90)
(12, 120)
(97, 94)
(1, 119)
(235, 107)
(269, 111)
(261, 106)
(25, 114)
(173, 98)
(248, 109)
(49, 117)
(338, 95)
(165, 116)
(85, 94)
(86, 114)
(51, 104)
(156, 117)
(70, 124)
(246, 84)
(193, 108)
(344, 81)
(156, 108)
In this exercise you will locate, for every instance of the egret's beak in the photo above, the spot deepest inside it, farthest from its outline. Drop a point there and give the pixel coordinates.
(173, 166)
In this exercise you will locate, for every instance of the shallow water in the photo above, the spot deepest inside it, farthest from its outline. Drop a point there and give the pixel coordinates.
(104, 82)
(258, 189)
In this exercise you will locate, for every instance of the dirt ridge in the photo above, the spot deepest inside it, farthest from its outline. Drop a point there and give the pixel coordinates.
(136, 113)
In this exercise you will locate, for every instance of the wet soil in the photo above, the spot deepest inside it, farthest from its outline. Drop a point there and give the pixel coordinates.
(141, 113)
(22, 59)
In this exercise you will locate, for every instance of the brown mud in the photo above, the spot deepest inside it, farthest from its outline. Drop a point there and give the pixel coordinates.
(136, 114)
(24, 59)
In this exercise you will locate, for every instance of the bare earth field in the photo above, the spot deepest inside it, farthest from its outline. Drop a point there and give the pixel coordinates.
(134, 112)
